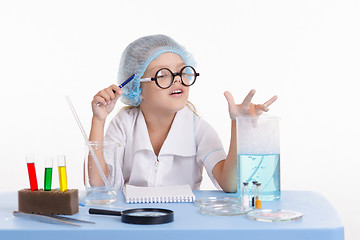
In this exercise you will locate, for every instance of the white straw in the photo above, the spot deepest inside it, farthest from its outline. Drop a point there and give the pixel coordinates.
(102, 174)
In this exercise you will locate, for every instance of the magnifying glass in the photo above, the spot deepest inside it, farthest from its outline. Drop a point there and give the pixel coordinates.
(139, 215)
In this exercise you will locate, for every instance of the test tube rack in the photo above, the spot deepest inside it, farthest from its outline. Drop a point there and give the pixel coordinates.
(54, 202)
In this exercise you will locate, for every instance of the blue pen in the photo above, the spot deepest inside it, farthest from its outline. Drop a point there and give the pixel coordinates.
(122, 85)
(126, 82)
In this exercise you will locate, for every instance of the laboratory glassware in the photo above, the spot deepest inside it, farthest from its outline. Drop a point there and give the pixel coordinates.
(107, 153)
(258, 153)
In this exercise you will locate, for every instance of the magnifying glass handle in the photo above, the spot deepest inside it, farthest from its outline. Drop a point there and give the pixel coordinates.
(104, 212)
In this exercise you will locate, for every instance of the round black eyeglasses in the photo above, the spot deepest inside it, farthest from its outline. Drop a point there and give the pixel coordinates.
(164, 77)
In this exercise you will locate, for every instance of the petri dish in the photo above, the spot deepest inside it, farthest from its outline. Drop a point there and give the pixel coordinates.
(280, 215)
(231, 210)
(218, 202)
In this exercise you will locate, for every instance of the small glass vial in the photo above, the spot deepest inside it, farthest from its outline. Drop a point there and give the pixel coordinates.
(258, 196)
(245, 195)
(252, 193)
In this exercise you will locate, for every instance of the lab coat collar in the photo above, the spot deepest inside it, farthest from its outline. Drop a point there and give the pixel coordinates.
(141, 135)
(179, 141)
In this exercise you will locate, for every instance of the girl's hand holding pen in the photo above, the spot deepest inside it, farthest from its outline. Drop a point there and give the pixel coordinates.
(247, 108)
(104, 102)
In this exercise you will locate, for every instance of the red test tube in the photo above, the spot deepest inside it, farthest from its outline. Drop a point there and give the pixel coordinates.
(30, 161)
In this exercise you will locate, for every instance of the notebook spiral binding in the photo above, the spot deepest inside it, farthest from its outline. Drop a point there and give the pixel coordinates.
(159, 194)
(161, 200)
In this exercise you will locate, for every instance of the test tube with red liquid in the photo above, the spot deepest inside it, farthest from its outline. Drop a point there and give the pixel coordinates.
(30, 161)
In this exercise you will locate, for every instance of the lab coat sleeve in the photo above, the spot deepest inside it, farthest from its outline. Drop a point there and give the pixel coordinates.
(210, 150)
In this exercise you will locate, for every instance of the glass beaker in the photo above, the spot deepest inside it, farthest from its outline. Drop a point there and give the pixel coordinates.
(258, 153)
(97, 192)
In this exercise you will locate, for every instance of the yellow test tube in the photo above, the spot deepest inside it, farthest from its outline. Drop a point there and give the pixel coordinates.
(62, 172)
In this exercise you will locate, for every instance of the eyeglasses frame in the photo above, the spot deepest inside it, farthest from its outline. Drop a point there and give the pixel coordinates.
(173, 77)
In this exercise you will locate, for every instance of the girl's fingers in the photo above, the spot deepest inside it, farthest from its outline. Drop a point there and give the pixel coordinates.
(114, 92)
(107, 95)
(110, 93)
(270, 101)
(97, 99)
(230, 99)
(246, 107)
(116, 89)
(104, 94)
(118, 92)
(248, 98)
(261, 107)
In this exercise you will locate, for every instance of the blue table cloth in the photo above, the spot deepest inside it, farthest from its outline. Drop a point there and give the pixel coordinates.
(320, 221)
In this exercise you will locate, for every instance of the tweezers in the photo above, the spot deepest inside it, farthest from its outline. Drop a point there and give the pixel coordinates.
(51, 218)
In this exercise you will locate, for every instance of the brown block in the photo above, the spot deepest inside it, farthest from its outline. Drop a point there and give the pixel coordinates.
(54, 202)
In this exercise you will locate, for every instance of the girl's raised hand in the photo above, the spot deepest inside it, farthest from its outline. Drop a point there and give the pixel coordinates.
(104, 102)
(246, 108)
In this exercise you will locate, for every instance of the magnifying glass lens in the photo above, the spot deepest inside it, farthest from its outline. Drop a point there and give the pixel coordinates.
(146, 214)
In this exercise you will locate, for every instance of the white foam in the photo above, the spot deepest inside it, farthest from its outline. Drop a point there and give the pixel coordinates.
(258, 135)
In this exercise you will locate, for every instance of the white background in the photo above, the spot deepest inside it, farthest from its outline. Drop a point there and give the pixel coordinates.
(306, 52)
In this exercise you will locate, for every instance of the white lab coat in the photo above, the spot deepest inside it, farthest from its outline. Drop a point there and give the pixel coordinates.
(191, 144)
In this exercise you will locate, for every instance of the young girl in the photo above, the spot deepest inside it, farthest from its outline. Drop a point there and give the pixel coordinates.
(163, 141)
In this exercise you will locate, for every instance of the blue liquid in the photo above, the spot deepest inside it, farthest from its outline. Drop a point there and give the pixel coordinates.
(263, 168)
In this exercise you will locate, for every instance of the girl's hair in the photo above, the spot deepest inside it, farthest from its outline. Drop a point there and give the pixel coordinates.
(191, 107)
(136, 58)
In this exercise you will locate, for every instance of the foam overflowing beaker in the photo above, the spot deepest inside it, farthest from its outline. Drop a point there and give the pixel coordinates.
(258, 153)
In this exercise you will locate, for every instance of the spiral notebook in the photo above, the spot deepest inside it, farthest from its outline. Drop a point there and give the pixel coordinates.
(178, 193)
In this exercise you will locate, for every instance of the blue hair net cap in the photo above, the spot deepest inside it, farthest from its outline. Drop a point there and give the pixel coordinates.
(136, 58)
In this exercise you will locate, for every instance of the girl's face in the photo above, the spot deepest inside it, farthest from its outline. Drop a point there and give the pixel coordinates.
(171, 99)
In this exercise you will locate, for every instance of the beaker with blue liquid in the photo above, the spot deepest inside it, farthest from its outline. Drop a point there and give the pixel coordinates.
(258, 154)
